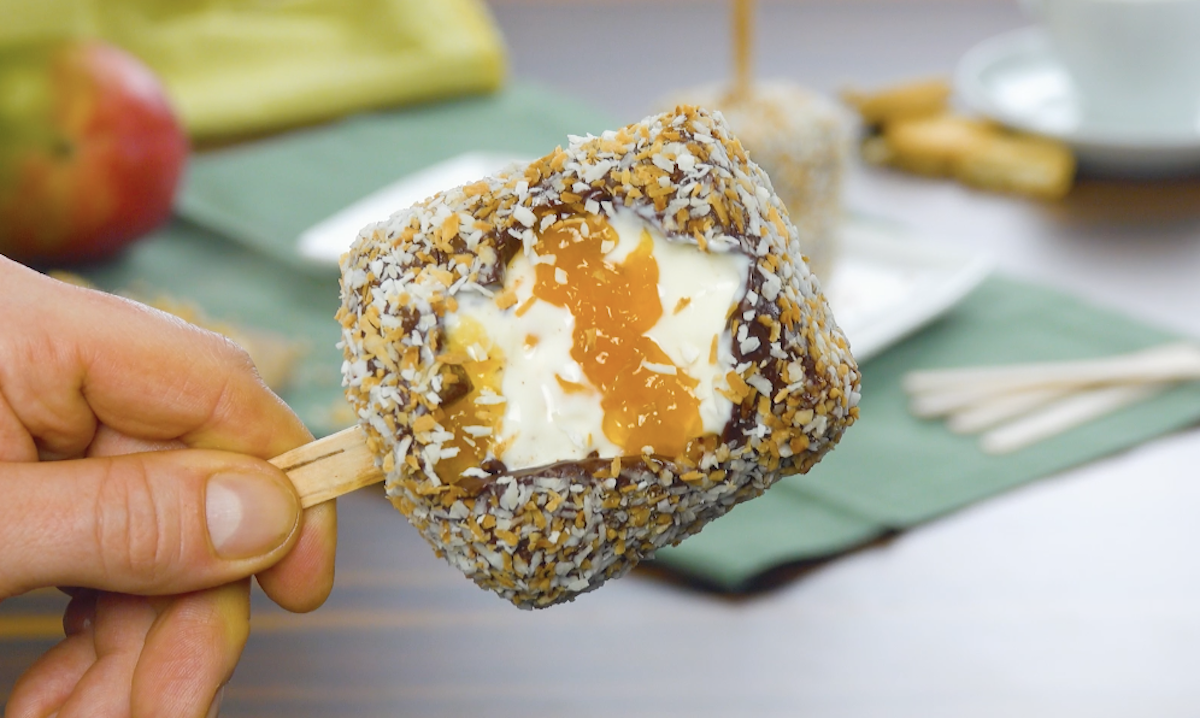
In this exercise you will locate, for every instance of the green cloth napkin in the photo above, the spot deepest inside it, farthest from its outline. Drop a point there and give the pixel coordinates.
(892, 471)
(231, 252)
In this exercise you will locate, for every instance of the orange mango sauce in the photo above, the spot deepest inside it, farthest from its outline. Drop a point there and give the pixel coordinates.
(614, 305)
(463, 412)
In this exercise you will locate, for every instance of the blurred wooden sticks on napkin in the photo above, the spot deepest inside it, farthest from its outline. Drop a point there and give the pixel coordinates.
(911, 126)
(1015, 406)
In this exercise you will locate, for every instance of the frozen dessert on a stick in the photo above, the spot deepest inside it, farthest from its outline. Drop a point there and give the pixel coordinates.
(566, 366)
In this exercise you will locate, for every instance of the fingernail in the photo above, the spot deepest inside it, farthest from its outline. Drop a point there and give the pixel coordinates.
(215, 709)
(248, 514)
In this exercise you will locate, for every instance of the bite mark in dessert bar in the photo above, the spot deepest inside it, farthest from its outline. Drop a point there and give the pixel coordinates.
(569, 365)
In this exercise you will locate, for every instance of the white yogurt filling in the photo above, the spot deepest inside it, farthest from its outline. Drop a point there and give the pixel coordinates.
(542, 423)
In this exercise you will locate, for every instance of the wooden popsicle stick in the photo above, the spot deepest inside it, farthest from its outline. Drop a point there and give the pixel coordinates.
(1168, 362)
(743, 47)
(1065, 414)
(937, 393)
(330, 467)
(937, 404)
(978, 417)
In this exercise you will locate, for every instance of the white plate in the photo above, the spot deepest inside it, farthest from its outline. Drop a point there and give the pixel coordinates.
(326, 241)
(886, 283)
(1015, 79)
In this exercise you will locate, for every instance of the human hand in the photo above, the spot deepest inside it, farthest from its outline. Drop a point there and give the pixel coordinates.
(127, 460)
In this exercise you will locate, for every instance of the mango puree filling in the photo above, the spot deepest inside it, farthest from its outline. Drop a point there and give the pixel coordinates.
(481, 408)
(648, 402)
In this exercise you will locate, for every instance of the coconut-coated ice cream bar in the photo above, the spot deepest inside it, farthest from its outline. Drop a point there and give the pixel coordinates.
(568, 365)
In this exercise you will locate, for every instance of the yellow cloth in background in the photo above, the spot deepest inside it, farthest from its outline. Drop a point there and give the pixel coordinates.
(235, 67)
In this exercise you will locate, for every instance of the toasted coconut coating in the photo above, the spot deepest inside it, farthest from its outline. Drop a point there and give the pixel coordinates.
(543, 535)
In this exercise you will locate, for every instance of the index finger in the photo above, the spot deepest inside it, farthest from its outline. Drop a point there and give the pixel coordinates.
(86, 358)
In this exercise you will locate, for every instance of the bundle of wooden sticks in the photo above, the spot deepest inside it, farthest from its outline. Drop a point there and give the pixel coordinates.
(1014, 406)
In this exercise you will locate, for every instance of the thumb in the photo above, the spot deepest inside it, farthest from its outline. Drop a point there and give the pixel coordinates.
(160, 522)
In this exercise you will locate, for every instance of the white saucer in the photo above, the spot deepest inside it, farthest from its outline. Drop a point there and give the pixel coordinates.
(1015, 79)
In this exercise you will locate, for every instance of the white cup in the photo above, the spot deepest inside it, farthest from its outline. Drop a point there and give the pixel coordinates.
(1135, 63)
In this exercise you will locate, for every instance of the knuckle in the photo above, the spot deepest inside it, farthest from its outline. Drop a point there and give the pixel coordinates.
(235, 356)
(237, 370)
(138, 538)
